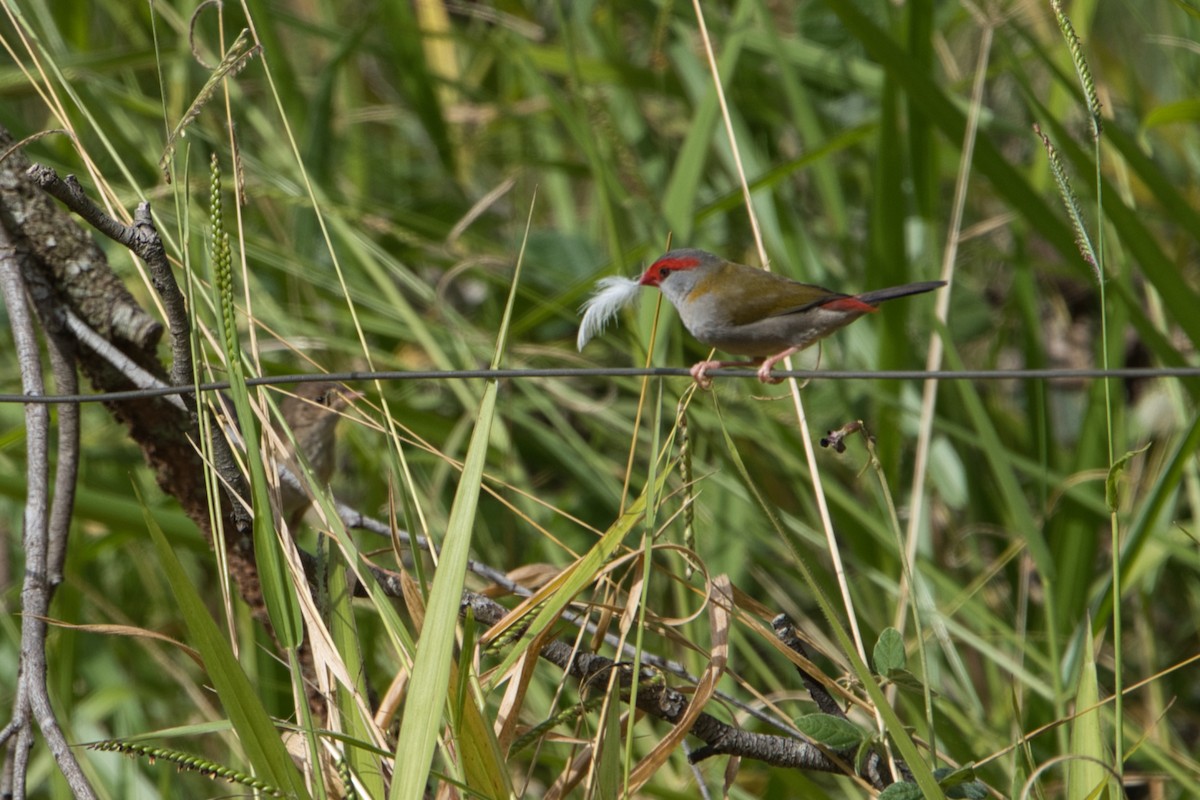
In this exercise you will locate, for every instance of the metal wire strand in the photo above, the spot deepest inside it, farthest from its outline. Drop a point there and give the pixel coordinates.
(631, 372)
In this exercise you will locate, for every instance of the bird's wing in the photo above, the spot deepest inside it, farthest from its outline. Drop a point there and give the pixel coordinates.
(751, 303)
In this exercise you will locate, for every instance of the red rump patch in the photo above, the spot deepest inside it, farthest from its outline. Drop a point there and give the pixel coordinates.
(851, 305)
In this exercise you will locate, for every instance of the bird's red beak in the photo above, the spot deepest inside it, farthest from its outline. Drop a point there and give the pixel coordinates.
(649, 278)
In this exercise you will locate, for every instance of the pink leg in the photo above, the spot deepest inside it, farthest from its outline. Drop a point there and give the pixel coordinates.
(764, 371)
(700, 370)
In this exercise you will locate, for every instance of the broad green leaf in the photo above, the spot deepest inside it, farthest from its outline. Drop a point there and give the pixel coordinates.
(836, 733)
(608, 772)
(961, 782)
(903, 679)
(483, 764)
(1179, 111)
(889, 654)
(902, 791)
(421, 723)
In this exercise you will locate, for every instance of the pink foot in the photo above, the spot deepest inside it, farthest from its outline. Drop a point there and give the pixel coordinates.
(764, 371)
(700, 373)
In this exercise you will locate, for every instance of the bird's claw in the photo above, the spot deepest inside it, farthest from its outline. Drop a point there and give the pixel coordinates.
(700, 373)
(764, 369)
(765, 376)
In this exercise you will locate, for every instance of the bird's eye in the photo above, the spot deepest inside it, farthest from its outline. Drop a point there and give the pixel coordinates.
(664, 272)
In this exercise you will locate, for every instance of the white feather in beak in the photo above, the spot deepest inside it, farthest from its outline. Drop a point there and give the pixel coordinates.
(610, 296)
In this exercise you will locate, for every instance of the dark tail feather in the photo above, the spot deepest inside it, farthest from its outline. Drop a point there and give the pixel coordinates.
(879, 295)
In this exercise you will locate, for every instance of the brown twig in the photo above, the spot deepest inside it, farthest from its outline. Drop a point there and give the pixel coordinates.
(785, 631)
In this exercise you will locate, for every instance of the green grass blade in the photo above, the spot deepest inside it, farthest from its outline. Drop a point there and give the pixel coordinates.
(362, 762)
(1086, 771)
(693, 160)
(427, 691)
(483, 764)
(256, 732)
(951, 121)
(1002, 470)
(421, 724)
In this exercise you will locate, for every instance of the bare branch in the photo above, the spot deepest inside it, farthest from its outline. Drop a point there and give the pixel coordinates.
(32, 693)
(66, 466)
(142, 240)
(75, 263)
(785, 630)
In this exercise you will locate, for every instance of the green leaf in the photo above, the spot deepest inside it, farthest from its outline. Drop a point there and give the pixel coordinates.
(1179, 111)
(256, 732)
(902, 791)
(960, 782)
(975, 790)
(1086, 772)
(1188, 8)
(903, 679)
(1114, 474)
(482, 762)
(889, 655)
(608, 758)
(422, 720)
(836, 733)
(362, 761)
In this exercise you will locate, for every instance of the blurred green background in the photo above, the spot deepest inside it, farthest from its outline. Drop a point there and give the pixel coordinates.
(393, 154)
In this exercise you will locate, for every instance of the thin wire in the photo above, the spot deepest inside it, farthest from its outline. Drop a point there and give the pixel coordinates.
(628, 372)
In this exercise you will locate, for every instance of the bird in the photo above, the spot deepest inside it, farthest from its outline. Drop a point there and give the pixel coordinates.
(751, 312)
(312, 414)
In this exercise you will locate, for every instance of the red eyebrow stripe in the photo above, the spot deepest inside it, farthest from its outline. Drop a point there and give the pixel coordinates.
(675, 263)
